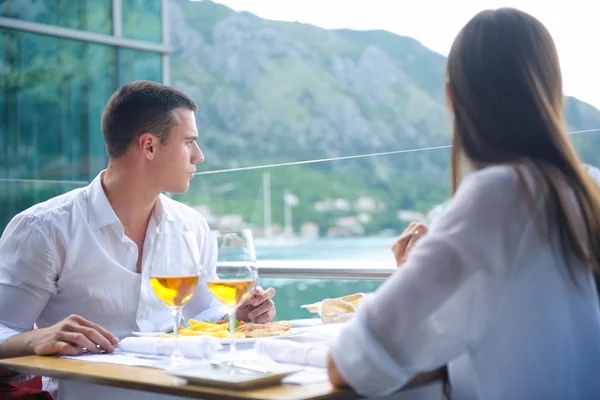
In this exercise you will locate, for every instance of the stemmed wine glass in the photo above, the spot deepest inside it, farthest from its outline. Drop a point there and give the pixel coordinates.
(235, 275)
(174, 273)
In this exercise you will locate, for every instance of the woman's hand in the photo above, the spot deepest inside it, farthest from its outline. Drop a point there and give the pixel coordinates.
(335, 377)
(405, 242)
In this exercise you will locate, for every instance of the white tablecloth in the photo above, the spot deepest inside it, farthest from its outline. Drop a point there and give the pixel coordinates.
(316, 336)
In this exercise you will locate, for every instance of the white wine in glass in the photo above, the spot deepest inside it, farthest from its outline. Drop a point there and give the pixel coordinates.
(174, 274)
(174, 291)
(231, 292)
(235, 275)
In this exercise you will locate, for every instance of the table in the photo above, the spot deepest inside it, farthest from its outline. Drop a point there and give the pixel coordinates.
(155, 380)
(119, 382)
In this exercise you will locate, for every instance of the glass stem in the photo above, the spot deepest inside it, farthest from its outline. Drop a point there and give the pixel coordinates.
(177, 354)
(232, 348)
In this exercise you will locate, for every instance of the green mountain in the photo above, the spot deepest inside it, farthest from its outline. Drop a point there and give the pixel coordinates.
(272, 92)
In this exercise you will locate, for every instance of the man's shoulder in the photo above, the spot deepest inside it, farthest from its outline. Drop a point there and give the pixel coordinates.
(184, 213)
(54, 208)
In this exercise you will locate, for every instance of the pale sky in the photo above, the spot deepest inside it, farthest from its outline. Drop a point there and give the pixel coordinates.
(573, 24)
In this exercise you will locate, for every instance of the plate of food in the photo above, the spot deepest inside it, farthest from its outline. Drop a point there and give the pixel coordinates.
(244, 332)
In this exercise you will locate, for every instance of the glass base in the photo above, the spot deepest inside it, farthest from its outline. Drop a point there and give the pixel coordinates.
(172, 363)
(243, 363)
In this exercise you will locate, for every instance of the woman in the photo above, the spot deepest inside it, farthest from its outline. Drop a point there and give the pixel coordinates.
(501, 292)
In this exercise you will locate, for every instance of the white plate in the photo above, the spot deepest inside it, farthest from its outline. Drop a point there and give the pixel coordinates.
(204, 374)
(303, 323)
(146, 334)
(294, 332)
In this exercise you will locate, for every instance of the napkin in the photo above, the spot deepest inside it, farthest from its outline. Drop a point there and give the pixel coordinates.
(289, 352)
(191, 346)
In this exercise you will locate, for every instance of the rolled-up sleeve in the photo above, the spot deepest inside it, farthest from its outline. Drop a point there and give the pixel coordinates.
(28, 274)
(28, 253)
(441, 301)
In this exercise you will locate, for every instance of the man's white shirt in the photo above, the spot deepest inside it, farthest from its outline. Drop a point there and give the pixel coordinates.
(69, 255)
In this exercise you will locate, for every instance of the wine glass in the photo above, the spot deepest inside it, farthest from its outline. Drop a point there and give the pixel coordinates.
(174, 274)
(235, 275)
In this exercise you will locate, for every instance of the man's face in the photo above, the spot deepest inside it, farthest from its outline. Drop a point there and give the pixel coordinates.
(175, 161)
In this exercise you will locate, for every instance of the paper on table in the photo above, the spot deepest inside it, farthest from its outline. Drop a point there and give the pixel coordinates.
(310, 375)
(116, 358)
(191, 346)
(291, 352)
(146, 351)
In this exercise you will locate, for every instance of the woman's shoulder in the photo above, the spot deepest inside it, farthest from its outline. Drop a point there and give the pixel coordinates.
(509, 179)
(494, 180)
(500, 172)
(517, 176)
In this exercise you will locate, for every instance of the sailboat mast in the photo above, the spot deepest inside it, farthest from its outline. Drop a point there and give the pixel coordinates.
(289, 230)
(267, 203)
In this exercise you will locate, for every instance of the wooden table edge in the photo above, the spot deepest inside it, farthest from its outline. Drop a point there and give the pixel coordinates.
(23, 365)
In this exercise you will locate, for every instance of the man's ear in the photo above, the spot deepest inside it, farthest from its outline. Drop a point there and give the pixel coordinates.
(146, 143)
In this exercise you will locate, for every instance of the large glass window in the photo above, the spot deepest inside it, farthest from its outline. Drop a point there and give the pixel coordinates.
(137, 64)
(88, 15)
(52, 94)
(52, 97)
(142, 20)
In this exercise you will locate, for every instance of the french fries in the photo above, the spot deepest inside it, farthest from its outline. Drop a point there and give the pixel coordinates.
(200, 328)
(217, 328)
(199, 325)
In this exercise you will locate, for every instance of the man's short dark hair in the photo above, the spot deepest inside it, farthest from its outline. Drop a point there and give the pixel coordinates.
(139, 107)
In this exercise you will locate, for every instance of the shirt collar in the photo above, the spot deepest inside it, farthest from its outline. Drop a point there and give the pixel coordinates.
(101, 213)
(161, 210)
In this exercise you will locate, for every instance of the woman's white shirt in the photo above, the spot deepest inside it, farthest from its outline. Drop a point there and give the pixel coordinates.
(486, 295)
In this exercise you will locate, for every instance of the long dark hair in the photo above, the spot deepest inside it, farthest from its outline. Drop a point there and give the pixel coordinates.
(505, 89)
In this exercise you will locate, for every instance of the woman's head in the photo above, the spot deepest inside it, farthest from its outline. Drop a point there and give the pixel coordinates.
(504, 86)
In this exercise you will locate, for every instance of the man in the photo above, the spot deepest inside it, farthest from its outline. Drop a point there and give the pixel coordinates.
(77, 265)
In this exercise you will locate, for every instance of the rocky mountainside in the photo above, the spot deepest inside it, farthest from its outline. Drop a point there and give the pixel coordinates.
(273, 91)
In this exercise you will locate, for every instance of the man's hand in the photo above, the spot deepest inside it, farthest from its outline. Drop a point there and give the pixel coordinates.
(405, 242)
(67, 337)
(258, 307)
